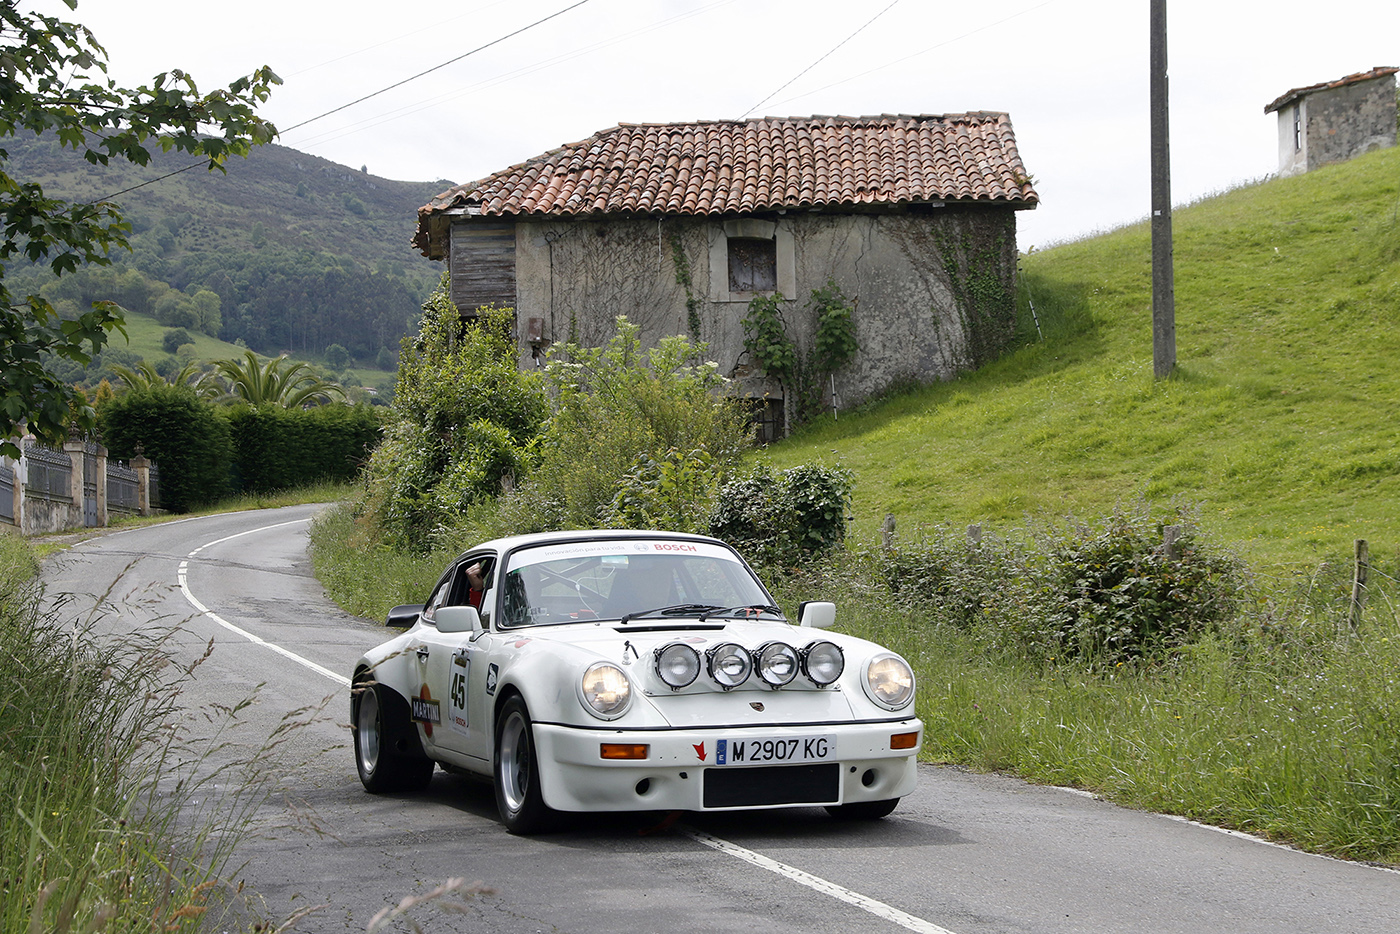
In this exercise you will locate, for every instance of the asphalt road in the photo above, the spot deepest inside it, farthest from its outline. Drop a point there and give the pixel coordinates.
(966, 853)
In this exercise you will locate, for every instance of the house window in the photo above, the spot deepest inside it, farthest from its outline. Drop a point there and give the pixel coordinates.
(753, 265)
(1297, 127)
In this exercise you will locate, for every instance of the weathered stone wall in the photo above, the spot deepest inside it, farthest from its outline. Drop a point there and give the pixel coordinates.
(1338, 124)
(934, 291)
(1345, 122)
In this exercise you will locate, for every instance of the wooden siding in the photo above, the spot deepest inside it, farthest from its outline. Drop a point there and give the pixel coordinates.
(482, 265)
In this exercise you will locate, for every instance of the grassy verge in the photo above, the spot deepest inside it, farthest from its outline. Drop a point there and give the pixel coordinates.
(364, 577)
(114, 814)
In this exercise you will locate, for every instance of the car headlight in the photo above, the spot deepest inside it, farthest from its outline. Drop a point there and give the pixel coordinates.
(889, 681)
(823, 663)
(730, 665)
(606, 690)
(777, 663)
(677, 665)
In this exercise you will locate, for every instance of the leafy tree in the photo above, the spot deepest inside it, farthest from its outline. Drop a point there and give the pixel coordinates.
(53, 80)
(277, 382)
(173, 339)
(337, 357)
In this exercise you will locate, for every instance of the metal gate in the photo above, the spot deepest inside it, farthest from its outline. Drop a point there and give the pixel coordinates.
(90, 481)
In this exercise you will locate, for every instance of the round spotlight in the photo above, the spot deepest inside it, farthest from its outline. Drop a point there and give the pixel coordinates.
(730, 665)
(822, 663)
(677, 665)
(777, 663)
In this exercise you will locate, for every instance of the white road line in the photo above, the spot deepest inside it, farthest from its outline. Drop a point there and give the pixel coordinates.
(818, 884)
(181, 573)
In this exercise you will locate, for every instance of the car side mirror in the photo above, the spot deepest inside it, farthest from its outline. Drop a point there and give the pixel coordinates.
(457, 619)
(816, 614)
(404, 615)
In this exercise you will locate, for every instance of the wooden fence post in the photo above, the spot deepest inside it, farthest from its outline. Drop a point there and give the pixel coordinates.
(1358, 583)
(887, 532)
(974, 535)
(1170, 534)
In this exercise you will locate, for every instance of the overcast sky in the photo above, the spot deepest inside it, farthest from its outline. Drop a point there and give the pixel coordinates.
(1072, 74)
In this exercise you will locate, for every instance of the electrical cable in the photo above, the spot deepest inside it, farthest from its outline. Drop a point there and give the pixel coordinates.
(818, 61)
(361, 100)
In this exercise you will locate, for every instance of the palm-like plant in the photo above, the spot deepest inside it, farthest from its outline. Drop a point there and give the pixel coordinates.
(144, 376)
(278, 382)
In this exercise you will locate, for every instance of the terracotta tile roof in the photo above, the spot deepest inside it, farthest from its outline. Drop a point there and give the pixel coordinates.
(1379, 72)
(734, 167)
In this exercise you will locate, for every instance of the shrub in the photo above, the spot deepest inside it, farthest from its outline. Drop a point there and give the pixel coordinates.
(463, 420)
(615, 405)
(174, 339)
(779, 520)
(1101, 593)
(675, 491)
(180, 433)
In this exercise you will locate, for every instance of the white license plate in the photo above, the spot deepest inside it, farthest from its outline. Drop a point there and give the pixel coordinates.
(775, 751)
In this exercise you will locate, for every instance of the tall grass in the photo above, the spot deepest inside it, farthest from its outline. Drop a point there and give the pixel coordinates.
(1278, 721)
(99, 826)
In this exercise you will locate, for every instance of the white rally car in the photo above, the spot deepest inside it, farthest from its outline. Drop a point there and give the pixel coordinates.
(629, 671)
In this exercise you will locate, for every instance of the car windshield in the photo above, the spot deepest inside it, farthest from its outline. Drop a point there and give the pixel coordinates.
(627, 579)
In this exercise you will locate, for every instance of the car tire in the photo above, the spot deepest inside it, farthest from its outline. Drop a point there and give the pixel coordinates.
(516, 772)
(387, 753)
(863, 810)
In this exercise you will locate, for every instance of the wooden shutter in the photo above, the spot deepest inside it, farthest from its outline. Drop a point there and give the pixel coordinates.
(482, 265)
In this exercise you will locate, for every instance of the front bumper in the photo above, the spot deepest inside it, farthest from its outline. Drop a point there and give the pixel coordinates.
(575, 777)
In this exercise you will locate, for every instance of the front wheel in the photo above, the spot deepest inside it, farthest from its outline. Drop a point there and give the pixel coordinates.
(517, 772)
(862, 810)
(386, 756)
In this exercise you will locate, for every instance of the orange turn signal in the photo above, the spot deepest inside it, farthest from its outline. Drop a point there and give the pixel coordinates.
(904, 740)
(623, 750)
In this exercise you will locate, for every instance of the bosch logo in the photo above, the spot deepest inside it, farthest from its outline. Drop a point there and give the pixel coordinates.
(673, 546)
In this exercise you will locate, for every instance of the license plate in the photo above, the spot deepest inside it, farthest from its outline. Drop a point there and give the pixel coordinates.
(775, 751)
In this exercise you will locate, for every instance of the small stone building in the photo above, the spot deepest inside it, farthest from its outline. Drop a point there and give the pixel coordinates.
(679, 226)
(1336, 120)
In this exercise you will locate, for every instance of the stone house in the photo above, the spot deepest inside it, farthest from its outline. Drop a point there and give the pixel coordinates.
(679, 226)
(1336, 120)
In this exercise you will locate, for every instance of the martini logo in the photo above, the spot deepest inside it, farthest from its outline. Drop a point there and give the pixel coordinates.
(425, 710)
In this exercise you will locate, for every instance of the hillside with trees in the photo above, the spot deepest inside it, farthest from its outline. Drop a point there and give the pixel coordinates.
(285, 252)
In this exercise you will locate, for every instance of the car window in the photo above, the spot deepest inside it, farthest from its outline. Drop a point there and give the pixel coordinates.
(438, 598)
(564, 583)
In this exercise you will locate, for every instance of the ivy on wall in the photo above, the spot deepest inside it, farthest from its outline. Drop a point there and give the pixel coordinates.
(801, 375)
(979, 263)
(684, 280)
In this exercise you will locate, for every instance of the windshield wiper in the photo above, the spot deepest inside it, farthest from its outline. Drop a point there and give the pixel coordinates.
(752, 609)
(677, 609)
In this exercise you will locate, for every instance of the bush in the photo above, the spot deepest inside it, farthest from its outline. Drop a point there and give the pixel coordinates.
(780, 520)
(174, 339)
(675, 492)
(180, 433)
(1101, 593)
(464, 419)
(279, 449)
(617, 406)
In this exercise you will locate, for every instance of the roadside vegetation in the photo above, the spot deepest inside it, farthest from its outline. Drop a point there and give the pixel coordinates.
(108, 824)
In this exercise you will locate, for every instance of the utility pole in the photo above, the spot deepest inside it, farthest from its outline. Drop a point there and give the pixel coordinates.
(1163, 287)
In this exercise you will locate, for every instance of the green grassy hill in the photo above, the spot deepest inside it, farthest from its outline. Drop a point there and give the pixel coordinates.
(1281, 423)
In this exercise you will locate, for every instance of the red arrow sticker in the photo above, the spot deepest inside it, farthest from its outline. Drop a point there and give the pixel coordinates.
(699, 750)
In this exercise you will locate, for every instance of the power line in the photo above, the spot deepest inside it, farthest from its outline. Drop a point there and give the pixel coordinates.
(397, 84)
(421, 74)
(818, 61)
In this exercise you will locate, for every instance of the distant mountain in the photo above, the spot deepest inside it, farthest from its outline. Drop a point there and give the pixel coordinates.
(302, 252)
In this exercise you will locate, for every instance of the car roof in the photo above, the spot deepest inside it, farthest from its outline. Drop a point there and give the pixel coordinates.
(502, 545)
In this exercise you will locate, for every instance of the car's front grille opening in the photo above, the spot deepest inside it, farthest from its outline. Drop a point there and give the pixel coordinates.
(772, 785)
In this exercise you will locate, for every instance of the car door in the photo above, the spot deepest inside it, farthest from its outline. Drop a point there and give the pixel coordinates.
(450, 679)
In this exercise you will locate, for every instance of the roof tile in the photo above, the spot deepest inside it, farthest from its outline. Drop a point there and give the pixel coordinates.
(727, 166)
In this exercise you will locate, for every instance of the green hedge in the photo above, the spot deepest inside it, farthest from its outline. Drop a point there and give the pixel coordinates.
(182, 434)
(277, 449)
(206, 452)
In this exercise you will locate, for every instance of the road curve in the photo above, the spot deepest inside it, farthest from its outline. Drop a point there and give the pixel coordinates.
(966, 853)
